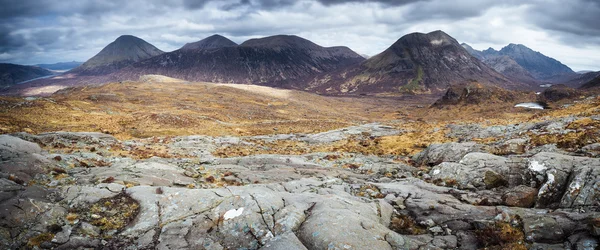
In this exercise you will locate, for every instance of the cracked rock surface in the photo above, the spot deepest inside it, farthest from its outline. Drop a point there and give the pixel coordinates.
(69, 190)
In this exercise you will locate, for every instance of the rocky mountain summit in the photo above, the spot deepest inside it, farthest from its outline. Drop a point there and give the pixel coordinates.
(533, 186)
(519, 62)
(124, 51)
(11, 74)
(415, 63)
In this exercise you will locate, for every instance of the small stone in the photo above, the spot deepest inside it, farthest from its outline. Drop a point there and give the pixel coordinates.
(95, 216)
(493, 180)
(188, 174)
(520, 196)
(437, 230)
(399, 201)
(428, 223)
(46, 245)
(63, 236)
(89, 229)
(390, 198)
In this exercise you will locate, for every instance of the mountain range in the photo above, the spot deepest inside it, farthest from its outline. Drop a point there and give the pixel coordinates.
(11, 74)
(521, 63)
(415, 63)
(274, 61)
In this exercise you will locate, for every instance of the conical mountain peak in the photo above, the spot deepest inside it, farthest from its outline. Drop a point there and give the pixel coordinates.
(125, 50)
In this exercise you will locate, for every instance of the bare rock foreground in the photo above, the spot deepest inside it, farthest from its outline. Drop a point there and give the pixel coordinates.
(68, 190)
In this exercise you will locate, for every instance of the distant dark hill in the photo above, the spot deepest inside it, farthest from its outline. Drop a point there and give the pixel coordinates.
(415, 63)
(474, 94)
(592, 84)
(282, 61)
(60, 65)
(538, 65)
(211, 42)
(11, 74)
(123, 52)
(582, 79)
(558, 92)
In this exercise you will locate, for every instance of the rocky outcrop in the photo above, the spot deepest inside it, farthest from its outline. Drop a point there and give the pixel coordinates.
(559, 92)
(90, 190)
(475, 94)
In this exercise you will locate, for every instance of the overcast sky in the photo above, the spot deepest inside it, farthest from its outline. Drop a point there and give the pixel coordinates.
(47, 31)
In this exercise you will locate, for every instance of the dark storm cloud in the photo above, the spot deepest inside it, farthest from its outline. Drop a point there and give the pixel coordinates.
(576, 17)
(33, 31)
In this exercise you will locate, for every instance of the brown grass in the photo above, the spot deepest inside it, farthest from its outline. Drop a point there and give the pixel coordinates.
(143, 110)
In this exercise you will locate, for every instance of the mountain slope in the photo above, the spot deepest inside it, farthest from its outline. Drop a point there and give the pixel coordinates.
(275, 61)
(415, 63)
(60, 65)
(582, 79)
(476, 53)
(538, 65)
(510, 68)
(11, 74)
(211, 42)
(124, 51)
(593, 84)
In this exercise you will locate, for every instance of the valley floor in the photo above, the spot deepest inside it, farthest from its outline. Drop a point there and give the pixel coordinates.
(157, 165)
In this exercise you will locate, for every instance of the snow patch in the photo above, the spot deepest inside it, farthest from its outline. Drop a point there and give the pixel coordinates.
(437, 42)
(233, 213)
(529, 105)
(536, 166)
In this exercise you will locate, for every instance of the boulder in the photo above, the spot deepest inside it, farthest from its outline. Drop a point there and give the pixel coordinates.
(446, 152)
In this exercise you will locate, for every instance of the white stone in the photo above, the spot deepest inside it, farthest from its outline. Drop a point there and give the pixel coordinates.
(233, 213)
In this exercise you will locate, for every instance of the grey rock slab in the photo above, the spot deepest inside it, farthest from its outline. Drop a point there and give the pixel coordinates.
(143, 173)
(482, 171)
(11, 147)
(287, 241)
(565, 180)
(21, 158)
(447, 152)
(592, 150)
(542, 229)
(87, 138)
(372, 129)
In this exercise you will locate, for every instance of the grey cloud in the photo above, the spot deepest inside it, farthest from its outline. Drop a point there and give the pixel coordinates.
(577, 17)
(79, 29)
